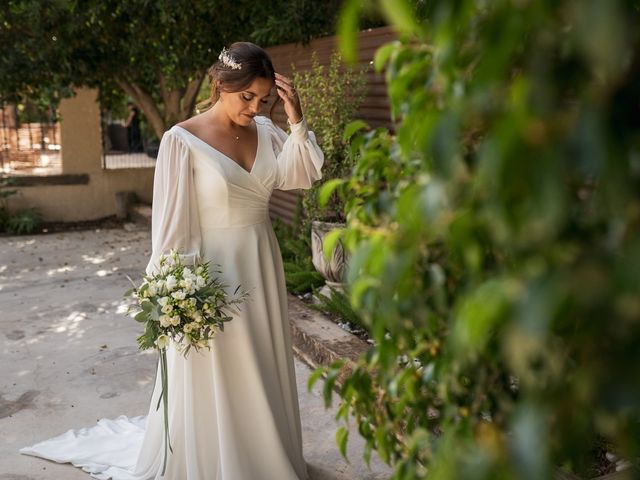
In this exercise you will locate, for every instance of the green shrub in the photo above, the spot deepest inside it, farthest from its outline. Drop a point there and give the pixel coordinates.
(331, 96)
(495, 241)
(23, 221)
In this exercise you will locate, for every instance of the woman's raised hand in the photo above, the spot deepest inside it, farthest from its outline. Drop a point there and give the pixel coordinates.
(289, 96)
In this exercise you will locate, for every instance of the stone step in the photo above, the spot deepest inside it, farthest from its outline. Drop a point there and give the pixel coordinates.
(140, 214)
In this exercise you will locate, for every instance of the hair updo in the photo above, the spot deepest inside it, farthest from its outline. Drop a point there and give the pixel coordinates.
(255, 63)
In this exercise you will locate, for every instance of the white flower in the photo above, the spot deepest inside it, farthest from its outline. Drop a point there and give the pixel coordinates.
(160, 286)
(175, 321)
(162, 301)
(165, 321)
(200, 270)
(162, 341)
(179, 295)
(171, 282)
(187, 273)
(190, 327)
(197, 317)
(168, 308)
(152, 290)
(188, 285)
(200, 281)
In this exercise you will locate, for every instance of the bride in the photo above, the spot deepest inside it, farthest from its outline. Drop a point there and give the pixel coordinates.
(233, 409)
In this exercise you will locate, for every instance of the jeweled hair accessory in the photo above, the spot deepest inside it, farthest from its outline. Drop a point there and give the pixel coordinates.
(228, 60)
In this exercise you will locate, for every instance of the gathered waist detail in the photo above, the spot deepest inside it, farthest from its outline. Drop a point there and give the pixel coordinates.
(235, 218)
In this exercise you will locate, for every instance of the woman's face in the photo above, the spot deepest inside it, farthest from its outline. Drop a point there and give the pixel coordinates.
(242, 106)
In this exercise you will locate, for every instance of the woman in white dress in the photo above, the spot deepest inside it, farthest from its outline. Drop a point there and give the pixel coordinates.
(233, 410)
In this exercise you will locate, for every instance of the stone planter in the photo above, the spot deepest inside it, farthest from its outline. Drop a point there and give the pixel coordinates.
(333, 268)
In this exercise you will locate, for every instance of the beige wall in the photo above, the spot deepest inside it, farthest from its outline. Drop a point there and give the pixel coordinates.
(80, 132)
(82, 154)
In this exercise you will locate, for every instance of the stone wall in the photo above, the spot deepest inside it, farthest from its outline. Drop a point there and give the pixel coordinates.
(84, 191)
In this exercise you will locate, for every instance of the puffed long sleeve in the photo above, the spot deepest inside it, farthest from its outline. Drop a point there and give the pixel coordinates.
(299, 158)
(175, 223)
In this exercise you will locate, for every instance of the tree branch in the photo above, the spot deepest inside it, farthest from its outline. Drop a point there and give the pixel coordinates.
(146, 103)
(171, 98)
(191, 94)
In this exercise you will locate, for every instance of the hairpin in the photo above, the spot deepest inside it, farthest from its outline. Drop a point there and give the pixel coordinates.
(227, 60)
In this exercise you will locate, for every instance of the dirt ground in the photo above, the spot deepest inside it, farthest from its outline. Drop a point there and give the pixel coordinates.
(69, 355)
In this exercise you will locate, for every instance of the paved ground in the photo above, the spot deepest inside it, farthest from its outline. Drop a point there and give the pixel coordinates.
(69, 355)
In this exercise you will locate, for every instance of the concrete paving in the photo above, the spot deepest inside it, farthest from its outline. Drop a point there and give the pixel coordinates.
(69, 355)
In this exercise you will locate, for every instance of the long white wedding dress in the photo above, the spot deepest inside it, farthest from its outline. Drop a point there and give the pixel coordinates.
(233, 410)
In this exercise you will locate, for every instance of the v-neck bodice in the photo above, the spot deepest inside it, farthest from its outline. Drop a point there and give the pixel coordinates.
(224, 155)
(226, 194)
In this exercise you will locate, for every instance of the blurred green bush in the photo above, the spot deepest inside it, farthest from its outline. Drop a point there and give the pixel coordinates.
(495, 240)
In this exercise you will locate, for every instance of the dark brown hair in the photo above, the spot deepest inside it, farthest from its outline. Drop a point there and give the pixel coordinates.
(255, 63)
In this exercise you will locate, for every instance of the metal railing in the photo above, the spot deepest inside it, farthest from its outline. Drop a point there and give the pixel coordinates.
(117, 148)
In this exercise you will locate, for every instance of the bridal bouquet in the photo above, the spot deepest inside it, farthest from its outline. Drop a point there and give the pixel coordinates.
(183, 304)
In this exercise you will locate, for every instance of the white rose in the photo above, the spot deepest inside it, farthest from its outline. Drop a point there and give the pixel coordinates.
(200, 282)
(152, 291)
(165, 321)
(162, 301)
(179, 295)
(175, 321)
(171, 282)
(197, 317)
(162, 341)
(168, 308)
(187, 273)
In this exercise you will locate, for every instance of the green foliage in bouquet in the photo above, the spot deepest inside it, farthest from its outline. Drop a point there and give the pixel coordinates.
(495, 241)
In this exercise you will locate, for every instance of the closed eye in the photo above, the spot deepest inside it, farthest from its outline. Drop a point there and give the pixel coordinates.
(248, 98)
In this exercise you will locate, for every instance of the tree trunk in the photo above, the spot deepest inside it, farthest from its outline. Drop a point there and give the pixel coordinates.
(178, 103)
(146, 104)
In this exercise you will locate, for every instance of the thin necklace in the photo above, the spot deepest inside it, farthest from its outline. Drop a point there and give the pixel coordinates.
(237, 137)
